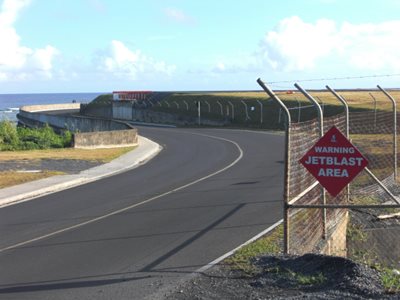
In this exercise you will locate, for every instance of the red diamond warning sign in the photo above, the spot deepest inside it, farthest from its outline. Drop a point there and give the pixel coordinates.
(334, 161)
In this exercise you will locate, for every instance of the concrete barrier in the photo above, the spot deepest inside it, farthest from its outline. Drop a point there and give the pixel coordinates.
(106, 139)
(65, 121)
(337, 242)
(122, 110)
(50, 107)
(89, 132)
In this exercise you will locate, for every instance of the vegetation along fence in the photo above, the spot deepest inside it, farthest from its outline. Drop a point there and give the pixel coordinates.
(360, 222)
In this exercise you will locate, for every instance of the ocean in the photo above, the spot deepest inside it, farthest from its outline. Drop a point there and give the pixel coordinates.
(10, 103)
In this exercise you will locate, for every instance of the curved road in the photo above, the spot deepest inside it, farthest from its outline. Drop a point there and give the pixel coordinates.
(136, 234)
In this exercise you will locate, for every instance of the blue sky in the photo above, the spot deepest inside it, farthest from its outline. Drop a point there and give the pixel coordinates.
(106, 45)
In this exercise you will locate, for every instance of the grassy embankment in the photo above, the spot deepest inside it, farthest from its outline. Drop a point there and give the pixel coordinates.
(358, 101)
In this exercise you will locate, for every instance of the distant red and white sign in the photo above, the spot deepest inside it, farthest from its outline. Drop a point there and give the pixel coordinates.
(334, 161)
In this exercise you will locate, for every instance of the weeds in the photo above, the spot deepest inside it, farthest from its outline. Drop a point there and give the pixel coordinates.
(270, 244)
(298, 277)
(390, 280)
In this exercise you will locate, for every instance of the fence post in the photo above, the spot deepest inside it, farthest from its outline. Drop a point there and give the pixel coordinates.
(209, 106)
(246, 110)
(321, 132)
(199, 111)
(372, 96)
(299, 112)
(279, 117)
(233, 110)
(220, 105)
(286, 194)
(262, 111)
(394, 132)
(322, 103)
(346, 109)
(187, 105)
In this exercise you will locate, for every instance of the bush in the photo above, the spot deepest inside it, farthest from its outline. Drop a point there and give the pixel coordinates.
(22, 138)
(9, 138)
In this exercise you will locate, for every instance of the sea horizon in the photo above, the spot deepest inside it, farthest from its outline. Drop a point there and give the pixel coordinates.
(10, 103)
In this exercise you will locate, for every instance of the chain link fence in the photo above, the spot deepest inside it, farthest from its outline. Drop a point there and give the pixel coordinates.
(362, 221)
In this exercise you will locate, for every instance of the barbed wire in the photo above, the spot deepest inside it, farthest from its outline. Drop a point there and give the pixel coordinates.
(334, 78)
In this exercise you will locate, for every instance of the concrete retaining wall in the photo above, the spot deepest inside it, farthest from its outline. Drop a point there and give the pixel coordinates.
(73, 123)
(89, 132)
(97, 110)
(149, 116)
(106, 139)
(125, 110)
(122, 110)
(337, 243)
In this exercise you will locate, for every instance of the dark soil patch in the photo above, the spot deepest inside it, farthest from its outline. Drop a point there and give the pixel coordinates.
(279, 278)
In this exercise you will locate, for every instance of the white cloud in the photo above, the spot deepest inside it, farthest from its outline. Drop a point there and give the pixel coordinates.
(123, 62)
(178, 16)
(297, 45)
(18, 62)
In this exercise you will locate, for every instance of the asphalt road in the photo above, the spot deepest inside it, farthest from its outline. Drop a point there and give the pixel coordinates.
(135, 235)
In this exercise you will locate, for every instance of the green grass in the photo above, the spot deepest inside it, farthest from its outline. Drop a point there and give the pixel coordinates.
(310, 279)
(355, 233)
(298, 277)
(390, 280)
(270, 244)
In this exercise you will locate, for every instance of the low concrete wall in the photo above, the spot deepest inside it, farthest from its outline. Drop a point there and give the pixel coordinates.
(49, 107)
(89, 132)
(106, 139)
(337, 243)
(73, 123)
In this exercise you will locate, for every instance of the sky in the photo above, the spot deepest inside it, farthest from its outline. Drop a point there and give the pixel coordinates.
(184, 45)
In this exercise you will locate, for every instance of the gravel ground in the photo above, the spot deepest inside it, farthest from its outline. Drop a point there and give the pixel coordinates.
(278, 279)
(69, 166)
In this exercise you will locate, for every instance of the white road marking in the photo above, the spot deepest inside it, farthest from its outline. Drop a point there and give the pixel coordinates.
(137, 204)
(221, 258)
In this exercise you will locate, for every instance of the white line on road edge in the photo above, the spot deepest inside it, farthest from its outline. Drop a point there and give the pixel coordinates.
(221, 258)
(137, 204)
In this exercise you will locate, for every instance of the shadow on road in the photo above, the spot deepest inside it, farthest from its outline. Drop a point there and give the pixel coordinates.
(150, 267)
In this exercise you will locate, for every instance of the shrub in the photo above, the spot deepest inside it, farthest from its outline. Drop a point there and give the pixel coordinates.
(9, 139)
(22, 138)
